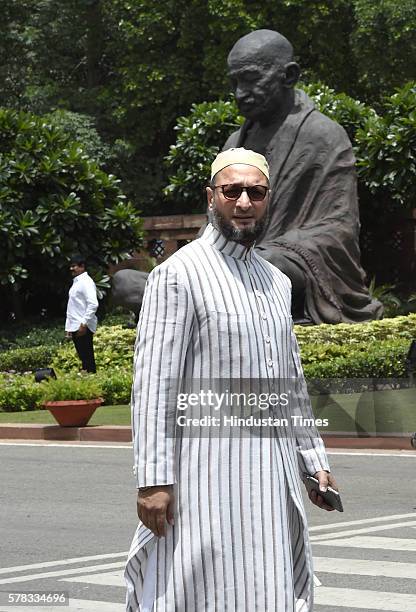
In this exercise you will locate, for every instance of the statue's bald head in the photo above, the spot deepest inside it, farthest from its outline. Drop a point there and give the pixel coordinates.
(263, 75)
(265, 45)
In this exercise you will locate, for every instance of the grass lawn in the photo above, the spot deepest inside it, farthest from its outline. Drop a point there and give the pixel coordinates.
(370, 412)
(105, 415)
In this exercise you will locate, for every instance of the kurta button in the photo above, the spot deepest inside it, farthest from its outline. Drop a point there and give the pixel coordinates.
(269, 362)
(267, 339)
(263, 315)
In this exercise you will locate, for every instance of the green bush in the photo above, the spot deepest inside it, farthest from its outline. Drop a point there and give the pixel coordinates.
(55, 201)
(346, 333)
(367, 350)
(374, 360)
(386, 150)
(113, 347)
(318, 343)
(26, 359)
(19, 393)
(81, 128)
(116, 386)
(71, 387)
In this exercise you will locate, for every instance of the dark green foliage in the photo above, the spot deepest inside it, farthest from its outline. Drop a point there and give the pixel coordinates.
(82, 129)
(32, 333)
(135, 66)
(26, 359)
(54, 201)
(383, 45)
(386, 151)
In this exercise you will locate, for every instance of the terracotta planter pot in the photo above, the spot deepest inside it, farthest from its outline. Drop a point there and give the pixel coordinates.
(73, 413)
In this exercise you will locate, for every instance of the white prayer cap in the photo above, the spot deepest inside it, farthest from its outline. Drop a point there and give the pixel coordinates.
(239, 156)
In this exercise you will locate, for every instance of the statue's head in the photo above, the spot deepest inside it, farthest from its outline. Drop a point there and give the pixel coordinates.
(262, 72)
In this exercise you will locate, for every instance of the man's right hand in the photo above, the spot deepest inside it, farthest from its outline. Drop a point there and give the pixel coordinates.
(155, 508)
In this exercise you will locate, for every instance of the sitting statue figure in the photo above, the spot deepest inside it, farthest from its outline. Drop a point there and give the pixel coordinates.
(313, 228)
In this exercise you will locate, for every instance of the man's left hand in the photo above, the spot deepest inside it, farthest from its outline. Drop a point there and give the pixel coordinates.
(325, 480)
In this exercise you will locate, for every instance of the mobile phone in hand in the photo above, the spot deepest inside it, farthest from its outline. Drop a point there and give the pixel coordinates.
(330, 497)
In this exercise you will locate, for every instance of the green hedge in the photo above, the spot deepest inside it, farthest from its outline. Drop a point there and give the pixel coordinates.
(114, 345)
(367, 350)
(345, 333)
(113, 348)
(19, 393)
(26, 359)
(116, 385)
(384, 359)
(323, 343)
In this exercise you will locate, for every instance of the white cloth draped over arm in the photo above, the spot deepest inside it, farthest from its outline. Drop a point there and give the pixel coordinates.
(312, 456)
(163, 334)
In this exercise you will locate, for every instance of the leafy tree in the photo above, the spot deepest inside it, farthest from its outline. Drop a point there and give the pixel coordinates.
(54, 201)
(387, 151)
(383, 45)
(135, 66)
(81, 128)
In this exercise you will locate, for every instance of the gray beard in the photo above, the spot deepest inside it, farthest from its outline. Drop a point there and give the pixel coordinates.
(248, 235)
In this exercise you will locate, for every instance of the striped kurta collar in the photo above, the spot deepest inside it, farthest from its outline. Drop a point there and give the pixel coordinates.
(227, 247)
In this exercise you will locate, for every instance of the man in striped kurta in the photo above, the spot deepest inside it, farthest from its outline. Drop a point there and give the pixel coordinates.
(222, 524)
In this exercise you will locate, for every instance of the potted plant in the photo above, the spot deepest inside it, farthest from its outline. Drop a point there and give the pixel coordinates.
(72, 400)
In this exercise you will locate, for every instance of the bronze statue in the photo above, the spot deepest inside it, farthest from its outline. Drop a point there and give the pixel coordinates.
(313, 228)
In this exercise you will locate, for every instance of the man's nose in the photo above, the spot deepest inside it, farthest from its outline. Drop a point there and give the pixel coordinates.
(244, 201)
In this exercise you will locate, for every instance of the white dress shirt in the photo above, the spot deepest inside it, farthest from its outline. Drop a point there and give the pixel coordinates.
(82, 304)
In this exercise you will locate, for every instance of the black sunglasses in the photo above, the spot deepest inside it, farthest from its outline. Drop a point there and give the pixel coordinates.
(256, 193)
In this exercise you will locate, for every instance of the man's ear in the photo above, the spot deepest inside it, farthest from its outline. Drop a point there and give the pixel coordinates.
(210, 197)
(292, 71)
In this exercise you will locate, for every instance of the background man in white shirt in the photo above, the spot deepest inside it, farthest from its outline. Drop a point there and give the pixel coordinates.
(81, 322)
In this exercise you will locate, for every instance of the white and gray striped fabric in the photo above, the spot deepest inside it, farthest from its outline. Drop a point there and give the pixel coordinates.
(216, 310)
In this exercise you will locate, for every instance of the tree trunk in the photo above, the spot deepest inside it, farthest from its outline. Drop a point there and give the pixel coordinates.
(94, 49)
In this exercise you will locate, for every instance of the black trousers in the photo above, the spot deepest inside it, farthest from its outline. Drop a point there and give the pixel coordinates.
(85, 349)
